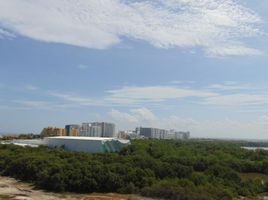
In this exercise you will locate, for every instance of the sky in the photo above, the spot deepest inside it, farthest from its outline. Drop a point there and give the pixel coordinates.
(190, 65)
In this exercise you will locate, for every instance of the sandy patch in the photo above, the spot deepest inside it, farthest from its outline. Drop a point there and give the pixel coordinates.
(13, 189)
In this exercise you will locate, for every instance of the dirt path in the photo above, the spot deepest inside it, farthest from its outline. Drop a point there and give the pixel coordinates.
(15, 190)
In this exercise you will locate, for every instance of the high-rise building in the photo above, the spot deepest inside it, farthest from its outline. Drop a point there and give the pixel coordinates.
(156, 133)
(72, 130)
(97, 129)
(107, 129)
(182, 135)
(53, 131)
(151, 132)
(89, 130)
(84, 129)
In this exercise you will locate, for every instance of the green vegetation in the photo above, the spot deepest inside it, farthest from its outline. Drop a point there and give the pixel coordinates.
(3, 197)
(254, 176)
(156, 168)
(27, 136)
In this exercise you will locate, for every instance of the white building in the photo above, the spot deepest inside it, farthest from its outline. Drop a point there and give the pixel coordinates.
(88, 144)
(107, 129)
(89, 130)
(157, 133)
(182, 135)
(97, 129)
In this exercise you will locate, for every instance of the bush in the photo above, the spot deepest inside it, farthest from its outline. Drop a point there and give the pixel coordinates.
(155, 168)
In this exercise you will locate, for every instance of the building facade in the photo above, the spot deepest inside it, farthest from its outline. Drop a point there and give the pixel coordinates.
(152, 133)
(89, 130)
(94, 129)
(52, 131)
(72, 130)
(87, 144)
(182, 135)
(157, 133)
(107, 129)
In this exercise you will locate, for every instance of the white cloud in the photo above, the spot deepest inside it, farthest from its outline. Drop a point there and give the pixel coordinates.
(216, 26)
(5, 34)
(178, 82)
(145, 117)
(143, 114)
(223, 128)
(39, 105)
(228, 128)
(122, 117)
(154, 94)
(238, 99)
(34, 104)
(31, 87)
(141, 101)
(230, 50)
(5, 107)
(227, 94)
(82, 67)
(254, 110)
(132, 96)
(229, 86)
(83, 101)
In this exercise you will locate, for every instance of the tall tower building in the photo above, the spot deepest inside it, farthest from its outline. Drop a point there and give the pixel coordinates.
(72, 130)
(107, 129)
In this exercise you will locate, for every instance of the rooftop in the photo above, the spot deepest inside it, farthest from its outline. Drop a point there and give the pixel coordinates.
(83, 138)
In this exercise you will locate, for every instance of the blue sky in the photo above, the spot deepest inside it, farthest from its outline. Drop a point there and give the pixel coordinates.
(178, 64)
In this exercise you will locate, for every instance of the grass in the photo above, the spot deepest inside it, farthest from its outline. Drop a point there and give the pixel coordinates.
(254, 176)
(4, 197)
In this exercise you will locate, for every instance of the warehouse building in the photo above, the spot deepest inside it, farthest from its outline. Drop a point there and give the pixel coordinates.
(88, 144)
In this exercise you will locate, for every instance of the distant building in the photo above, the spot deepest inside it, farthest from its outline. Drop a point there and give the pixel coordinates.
(84, 129)
(84, 144)
(88, 144)
(72, 130)
(93, 129)
(89, 130)
(52, 131)
(107, 129)
(182, 135)
(152, 132)
(9, 137)
(129, 134)
(157, 133)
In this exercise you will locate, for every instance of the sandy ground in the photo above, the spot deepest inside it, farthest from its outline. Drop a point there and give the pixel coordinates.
(15, 190)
